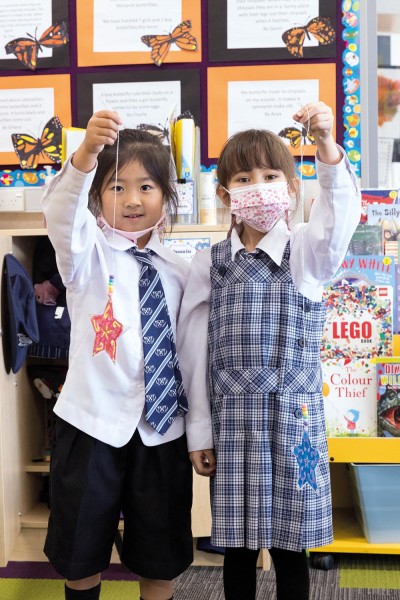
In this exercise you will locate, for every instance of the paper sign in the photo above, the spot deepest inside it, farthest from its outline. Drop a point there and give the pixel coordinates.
(187, 247)
(267, 104)
(253, 24)
(24, 111)
(19, 18)
(138, 102)
(119, 26)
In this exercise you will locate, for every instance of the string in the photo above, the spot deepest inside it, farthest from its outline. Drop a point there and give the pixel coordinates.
(303, 218)
(111, 277)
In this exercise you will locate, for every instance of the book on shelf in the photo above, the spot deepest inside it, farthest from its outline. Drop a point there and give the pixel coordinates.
(396, 302)
(372, 269)
(358, 323)
(377, 196)
(349, 392)
(367, 239)
(388, 396)
(388, 217)
(361, 301)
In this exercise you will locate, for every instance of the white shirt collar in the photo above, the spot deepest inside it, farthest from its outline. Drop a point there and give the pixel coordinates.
(273, 243)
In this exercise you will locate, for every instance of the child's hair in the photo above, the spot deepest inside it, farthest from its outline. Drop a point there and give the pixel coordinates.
(255, 148)
(145, 148)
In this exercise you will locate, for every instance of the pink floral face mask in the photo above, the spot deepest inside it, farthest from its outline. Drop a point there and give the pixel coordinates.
(260, 205)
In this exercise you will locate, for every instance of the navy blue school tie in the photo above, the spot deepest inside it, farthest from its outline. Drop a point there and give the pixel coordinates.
(164, 393)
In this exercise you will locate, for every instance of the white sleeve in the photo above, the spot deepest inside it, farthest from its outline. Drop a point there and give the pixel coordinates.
(71, 227)
(325, 238)
(192, 348)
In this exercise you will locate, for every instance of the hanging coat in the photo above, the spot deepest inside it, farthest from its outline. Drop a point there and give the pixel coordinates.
(272, 486)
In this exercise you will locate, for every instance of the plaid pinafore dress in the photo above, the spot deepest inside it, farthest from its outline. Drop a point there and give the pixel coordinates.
(270, 489)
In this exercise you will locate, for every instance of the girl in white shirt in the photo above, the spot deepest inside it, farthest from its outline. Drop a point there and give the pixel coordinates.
(251, 324)
(118, 445)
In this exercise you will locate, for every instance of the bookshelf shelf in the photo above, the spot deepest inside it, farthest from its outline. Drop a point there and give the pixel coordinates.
(364, 450)
(348, 537)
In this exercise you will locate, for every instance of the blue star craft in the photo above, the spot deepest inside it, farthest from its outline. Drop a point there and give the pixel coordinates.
(307, 458)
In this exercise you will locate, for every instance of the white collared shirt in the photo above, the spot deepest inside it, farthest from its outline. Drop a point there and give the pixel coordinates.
(100, 397)
(323, 242)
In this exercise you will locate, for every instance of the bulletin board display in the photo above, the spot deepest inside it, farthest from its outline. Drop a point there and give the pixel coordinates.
(266, 97)
(208, 80)
(127, 33)
(34, 35)
(139, 96)
(33, 109)
(242, 30)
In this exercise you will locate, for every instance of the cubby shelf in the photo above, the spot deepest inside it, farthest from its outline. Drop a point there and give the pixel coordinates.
(348, 537)
(364, 450)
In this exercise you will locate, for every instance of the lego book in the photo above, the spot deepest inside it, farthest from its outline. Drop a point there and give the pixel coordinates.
(388, 396)
(358, 322)
(349, 392)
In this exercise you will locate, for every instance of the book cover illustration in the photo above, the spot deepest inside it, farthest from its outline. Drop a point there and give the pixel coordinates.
(388, 217)
(366, 270)
(388, 396)
(358, 322)
(349, 391)
(396, 309)
(376, 196)
(366, 240)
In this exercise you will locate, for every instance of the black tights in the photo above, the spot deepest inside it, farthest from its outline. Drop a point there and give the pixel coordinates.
(240, 574)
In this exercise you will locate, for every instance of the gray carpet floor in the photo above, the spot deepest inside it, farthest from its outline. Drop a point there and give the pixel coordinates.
(205, 583)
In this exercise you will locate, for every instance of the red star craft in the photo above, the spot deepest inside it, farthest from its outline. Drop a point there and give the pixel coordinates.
(107, 330)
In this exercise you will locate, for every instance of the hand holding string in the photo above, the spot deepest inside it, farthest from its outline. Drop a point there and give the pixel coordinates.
(317, 118)
(102, 129)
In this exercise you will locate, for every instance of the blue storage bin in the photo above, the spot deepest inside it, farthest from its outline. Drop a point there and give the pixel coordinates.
(376, 493)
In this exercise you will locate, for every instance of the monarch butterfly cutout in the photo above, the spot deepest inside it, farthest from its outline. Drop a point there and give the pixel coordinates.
(321, 28)
(160, 44)
(29, 149)
(26, 49)
(294, 136)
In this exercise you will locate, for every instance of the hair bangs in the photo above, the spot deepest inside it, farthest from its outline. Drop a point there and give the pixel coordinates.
(254, 149)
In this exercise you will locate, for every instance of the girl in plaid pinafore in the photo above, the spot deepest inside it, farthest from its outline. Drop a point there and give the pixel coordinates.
(261, 292)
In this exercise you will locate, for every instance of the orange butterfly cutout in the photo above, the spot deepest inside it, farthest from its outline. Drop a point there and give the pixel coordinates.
(26, 49)
(294, 136)
(29, 149)
(160, 44)
(320, 27)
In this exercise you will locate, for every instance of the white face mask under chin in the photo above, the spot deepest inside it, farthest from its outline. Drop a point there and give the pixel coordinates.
(133, 236)
(260, 205)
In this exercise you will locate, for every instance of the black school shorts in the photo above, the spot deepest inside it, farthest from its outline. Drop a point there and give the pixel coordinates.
(91, 482)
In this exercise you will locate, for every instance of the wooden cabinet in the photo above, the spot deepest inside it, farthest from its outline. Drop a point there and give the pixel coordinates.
(23, 519)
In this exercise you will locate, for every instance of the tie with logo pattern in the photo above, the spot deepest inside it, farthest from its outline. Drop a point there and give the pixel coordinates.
(165, 396)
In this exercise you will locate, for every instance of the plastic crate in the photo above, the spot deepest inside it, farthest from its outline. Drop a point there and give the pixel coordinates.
(376, 493)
